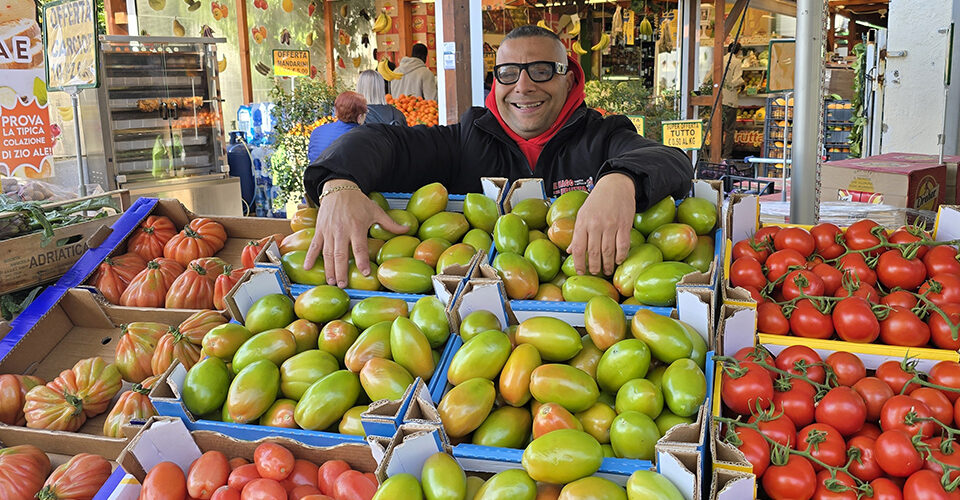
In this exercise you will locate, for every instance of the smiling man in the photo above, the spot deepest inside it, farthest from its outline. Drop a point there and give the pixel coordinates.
(535, 124)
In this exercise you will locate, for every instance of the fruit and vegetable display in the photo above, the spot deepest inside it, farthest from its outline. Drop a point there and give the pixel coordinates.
(543, 386)
(829, 428)
(26, 473)
(31, 207)
(860, 284)
(417, 110)
(435, 240)
(314, 362)
(667, 242)
(164, 268)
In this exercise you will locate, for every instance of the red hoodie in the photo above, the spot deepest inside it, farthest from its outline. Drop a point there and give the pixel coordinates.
(531, 148)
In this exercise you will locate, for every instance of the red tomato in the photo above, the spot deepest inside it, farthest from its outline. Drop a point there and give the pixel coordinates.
(825, 236)
(747, 271)
(952, 458)
(870, 430)
(273, 461)
(910, 235)
(854, 321)
(304, 473)
(847, 367)
(353, 485)
(242, 475)
(755, 354)
(940, 406)
(165, 481)
(206, 474)
(940, 333)
(237, 462)
(843, 409)
(263, 489)
(854, 264)
(824, 493)
(807, 321)
(900, 298)
(824, 442)
(895, 410)
(810, 283)
(831, 277)
(859, 236)
(742, 393)
(885, 489)
(942, 259)
(892, 372)
(896, 454)
(779, 428)
(799, 360)
(813, 262)
(226, 493)
(949, 285)
(779, 262)
(754, 294)
(947, 374)
(754, 448)
(925, 485)
(902, 327)
(770, 319)
(874, 392)
(797, 402)
(301, 491)
(864, 468)
(766, 234)
(328, 473)
(795, 479)
(796, 238)
(893, 271)
(749, 248)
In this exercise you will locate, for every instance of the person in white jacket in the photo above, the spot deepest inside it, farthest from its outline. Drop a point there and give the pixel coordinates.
(417, 79)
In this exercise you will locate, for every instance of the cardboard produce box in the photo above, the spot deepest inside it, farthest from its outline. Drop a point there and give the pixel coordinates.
(875, 180)
(950, 196)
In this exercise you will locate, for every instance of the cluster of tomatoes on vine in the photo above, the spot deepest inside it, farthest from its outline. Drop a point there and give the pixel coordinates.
(826, 429)
(859, 285)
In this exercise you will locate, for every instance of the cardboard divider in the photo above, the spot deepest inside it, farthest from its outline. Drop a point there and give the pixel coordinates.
(410, 447)
(684, 467)
(524, 189)
(730, 485)
(384, 417)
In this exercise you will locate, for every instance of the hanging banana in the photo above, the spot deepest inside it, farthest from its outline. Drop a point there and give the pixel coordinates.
(578, 48)
(574, 29)
(383, 23)
(541, 23)
(388, 74)
(602, 44)
(646, 29)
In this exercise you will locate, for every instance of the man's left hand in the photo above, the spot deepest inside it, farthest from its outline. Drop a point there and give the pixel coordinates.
(601, 236)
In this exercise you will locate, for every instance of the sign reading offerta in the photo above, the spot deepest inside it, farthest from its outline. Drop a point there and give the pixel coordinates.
(70, 41)
(683, 134)
(291, 62)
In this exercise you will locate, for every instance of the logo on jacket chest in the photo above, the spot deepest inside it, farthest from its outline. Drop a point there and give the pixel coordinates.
(564, 185)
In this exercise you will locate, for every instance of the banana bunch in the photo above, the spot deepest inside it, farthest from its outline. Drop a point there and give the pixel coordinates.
(646, 29)
(388, 74)
(541, 23)
(574, 30)
(383, 23)
(578, 48)
(602, 44)
(66, 113)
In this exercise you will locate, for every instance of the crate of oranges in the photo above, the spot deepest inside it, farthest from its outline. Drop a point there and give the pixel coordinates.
(417, 110)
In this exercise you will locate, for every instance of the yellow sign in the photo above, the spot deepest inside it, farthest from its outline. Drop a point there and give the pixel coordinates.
(70, 44)
(683, 134)
(291, 62)
(637, 122)
(629, 25)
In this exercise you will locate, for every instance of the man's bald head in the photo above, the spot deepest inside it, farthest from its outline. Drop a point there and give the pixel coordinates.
(532, 30)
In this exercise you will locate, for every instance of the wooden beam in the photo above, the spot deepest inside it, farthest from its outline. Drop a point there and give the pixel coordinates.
(701, 100)
(831, 37)
(456, 27)
(328, 39)
(243, 44)
(405, 30)
(734, 15)
(116, 14)
(853, 3)
(719, 37)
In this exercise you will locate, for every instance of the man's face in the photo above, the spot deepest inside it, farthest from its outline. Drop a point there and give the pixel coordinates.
(527, 107)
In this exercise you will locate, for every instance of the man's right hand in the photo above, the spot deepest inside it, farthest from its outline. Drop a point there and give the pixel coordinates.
(343, 220)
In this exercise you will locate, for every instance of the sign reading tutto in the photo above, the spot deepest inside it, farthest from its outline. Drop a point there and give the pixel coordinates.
(291, 62)
(70, 44)
(683, 134)
(638, 122)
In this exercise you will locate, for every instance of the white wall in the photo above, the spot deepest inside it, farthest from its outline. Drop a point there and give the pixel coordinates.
(914, 100)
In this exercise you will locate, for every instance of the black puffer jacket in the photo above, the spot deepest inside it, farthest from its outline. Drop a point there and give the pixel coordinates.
(587, 147)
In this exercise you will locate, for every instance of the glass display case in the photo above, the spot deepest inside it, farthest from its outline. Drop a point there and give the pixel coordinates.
(160, 111)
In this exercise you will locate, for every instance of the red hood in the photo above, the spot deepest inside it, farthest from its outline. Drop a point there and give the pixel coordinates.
(531, 147)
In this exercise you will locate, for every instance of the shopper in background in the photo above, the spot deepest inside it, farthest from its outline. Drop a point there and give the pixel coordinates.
(370, 86)
(535, 124)
(350, 109)
(417, 79)
(731, 96)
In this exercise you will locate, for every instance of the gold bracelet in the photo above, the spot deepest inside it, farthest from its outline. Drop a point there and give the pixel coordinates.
(336, 189)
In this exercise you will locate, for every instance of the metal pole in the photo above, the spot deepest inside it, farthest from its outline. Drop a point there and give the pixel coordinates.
(787, 144)
(807, 111)
(84, 175)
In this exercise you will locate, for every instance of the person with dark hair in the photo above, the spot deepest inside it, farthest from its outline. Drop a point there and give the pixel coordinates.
(350, 109)
(487, 83)
(730, 96)
(417, 79)
(535, 124)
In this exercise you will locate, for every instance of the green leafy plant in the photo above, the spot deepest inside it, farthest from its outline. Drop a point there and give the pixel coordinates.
(311, 100)
(632, 98)
(859, 116)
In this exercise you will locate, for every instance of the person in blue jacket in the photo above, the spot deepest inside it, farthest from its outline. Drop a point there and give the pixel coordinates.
(350, 109)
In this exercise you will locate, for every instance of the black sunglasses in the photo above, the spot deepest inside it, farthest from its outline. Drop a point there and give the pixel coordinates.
(538, 71)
